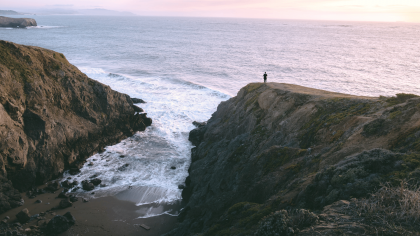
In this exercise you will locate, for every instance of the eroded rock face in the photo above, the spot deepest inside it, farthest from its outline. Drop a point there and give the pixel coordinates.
(281, 146)
(53, 117)
(16, 22)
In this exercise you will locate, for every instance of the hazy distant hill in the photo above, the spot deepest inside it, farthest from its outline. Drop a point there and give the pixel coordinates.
(99, 11)
(9, 12)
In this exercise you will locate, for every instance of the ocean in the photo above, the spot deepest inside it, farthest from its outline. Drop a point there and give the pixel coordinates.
(184, 67)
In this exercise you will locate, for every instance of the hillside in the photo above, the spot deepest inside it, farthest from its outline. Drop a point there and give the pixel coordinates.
(282, 159)
(53, 117)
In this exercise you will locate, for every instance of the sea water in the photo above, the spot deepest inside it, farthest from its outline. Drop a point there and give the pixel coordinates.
(184, 67)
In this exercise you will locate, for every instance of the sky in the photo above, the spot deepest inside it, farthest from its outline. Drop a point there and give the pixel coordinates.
(353, 10)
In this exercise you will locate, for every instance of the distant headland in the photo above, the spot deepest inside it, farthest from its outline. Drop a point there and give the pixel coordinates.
(16, 22)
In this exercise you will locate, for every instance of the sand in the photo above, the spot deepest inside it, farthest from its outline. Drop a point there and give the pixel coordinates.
(101, 216)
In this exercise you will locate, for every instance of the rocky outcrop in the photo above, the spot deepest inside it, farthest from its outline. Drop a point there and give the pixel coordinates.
(16, 22)
(53, 117)
(277, 147)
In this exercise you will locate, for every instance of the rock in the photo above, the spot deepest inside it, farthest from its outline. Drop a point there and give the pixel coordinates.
(196, 135)
(181, 186)
(38, 201)
(122, 156)
(73, 198)
(23, 216)
(74, 171)
(66, 184)
(16, 22)
(93, 176)
(199, 124)
(173, 167)
(137, 100)
(137, 109)
(87, 186)
(102, 185)
(68, 178)
(96, 181)
(7, 217)
(123, 167)
(52, 187)
(85, 200)
(65, 203)
(59, 224)
(75, 189)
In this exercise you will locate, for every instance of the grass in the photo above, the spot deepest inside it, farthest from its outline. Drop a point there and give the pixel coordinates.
(400, 98)
(333, 113)
(392, 206)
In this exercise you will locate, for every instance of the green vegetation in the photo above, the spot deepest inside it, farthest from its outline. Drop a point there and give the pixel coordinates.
(400, 98)
(332, 113)
(407, 141)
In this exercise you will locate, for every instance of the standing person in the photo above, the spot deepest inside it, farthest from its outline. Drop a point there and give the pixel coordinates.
(265, 77)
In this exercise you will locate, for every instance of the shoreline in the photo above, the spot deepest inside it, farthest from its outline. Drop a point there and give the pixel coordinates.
(100, 216)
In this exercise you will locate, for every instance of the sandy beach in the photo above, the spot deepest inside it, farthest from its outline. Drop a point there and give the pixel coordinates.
(101, 216)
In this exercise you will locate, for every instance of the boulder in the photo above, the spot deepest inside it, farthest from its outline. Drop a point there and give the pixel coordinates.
(23, 216)
(87, 185)
(96, 181)
(65, 203)
(60, 224)
(16, 22)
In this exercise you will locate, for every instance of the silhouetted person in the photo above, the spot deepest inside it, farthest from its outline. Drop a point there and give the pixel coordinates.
(265, 77)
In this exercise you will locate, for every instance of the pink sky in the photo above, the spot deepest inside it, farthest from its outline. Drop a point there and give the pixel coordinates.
(359, 10)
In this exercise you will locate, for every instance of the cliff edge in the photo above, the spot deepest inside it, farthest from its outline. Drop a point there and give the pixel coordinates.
(282, 159)
(16, 22)
(53, 117)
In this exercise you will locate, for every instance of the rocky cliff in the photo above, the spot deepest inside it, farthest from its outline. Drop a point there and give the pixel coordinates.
(273, 159)
(52, 117)
(16, 22)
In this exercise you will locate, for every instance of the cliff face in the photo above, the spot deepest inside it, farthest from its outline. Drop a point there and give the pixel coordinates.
(52, 117)
(16, 22)
(281, 146)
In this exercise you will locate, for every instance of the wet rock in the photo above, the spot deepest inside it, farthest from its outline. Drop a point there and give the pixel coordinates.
(123, 167)
(60, 224)
(196, 135)
(75, 189)
(137, 109)
(122, 156)
(96, 181)
(90, 164)
(38, 201)
(87, 186)
(52, 187)
(68, 177)
(62, 195)
(73, 198)
(103, 185)
(181, 186)
(137, 100)
(199, 124)
(173, 167)
(74, 171)
(7, 217)
(85, 200)
(93, 176)
(65, 203)
(23, 216)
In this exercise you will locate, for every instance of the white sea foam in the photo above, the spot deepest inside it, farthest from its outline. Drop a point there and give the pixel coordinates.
(140, 168)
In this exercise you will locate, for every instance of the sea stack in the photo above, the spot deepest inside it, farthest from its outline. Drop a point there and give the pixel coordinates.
(53, 117)
(16, 22)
